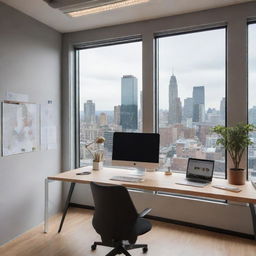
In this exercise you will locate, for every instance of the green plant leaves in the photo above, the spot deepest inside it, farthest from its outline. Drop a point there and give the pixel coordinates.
(235, 140)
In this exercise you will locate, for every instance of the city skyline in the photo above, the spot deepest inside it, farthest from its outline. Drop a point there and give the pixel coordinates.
(197, 97)
(182, 134)
(111, 62)
(104, 66)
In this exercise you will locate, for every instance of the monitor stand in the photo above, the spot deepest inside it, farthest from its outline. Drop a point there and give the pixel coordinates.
(141, 171)
(150, 169)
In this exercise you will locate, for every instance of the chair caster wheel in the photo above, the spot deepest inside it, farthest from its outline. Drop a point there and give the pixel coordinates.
(145, 249)
(93, 247)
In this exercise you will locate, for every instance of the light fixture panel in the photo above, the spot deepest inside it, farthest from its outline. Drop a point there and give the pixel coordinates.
(76, 8)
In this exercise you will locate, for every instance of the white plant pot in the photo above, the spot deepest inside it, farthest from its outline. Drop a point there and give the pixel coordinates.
(96, 166)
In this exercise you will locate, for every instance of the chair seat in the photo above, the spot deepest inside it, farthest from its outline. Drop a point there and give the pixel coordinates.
(142, 226)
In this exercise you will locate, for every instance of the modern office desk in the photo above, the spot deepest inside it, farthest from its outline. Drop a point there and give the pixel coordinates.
(153, 181)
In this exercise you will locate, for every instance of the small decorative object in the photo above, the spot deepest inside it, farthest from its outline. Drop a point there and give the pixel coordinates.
(235, 140)
(97, 154)
(168, 172)
(96, 166)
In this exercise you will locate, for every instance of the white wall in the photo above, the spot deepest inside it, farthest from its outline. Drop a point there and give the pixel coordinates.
(236, 218)
(30, 63)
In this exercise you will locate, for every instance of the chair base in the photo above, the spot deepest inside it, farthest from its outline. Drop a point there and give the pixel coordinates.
(119, 248)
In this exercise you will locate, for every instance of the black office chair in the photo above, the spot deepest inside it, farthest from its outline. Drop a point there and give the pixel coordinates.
(116, 219)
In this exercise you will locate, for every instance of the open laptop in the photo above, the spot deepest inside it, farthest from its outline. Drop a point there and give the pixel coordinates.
(199, 172)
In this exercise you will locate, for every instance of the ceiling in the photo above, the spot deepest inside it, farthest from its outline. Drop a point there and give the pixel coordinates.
(39, 10)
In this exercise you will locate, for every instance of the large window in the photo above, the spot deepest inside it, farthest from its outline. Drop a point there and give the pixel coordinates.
(110, 91)
(191, 97)
(252, 96)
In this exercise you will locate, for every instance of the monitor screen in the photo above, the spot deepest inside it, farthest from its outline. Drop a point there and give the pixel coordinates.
(136, 149)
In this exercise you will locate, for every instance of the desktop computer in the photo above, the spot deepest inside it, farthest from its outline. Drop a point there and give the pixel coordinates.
(139, 150)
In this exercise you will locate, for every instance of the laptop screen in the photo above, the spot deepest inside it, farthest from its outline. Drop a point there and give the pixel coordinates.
(200, 169)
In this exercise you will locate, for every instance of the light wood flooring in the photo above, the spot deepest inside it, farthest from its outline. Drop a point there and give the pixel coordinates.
(163, 240)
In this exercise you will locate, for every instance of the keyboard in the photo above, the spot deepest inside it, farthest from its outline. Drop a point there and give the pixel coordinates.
(127, 179)
(192, 183)
(228, 187)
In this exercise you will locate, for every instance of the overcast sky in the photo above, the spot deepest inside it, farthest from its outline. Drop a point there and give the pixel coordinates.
(196, 59)
(101, 70)
(252, 65)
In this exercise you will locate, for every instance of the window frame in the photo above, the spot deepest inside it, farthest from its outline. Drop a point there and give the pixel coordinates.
(249, 22)
(77, 49)
(159, 35)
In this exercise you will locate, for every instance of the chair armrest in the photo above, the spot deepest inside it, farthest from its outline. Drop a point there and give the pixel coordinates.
(144, 212)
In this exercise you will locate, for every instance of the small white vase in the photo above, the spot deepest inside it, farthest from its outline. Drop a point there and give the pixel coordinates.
(96, 166)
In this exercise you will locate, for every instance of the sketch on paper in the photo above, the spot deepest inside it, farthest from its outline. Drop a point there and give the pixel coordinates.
(20, 128)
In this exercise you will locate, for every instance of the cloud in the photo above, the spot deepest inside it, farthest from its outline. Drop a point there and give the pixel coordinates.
(195, 58)
(101, 70)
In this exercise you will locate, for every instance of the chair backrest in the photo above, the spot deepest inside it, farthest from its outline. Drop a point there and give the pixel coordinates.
(115, 215)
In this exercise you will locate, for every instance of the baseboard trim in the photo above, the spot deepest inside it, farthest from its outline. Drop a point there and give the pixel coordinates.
(208, 228)
(182, 223)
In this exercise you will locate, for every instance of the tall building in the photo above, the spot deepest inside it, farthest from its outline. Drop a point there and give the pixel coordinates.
(222, 109)
(117, 110)
(174, 102)
(108, 144)
(188, 108)
(89, 112)
(198, 104)
(252, 115)
(179, 110)
(129, 103)
(103, 120)
(140, 112)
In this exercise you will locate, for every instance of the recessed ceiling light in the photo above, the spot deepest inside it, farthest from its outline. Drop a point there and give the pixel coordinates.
(107, 7)
(77, 8)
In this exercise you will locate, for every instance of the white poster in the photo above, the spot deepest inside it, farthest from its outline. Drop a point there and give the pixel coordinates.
(48, 127)
(20, 128)
(11, 96)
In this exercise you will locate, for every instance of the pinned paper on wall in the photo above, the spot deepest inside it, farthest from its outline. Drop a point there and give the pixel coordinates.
(12, 96)
(20, 128)
(48, 126)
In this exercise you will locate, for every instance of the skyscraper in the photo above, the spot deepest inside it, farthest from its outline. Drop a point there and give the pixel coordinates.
(89, 112)
(103, 120)
(188, 108)
(179, 110)
(252, 115)
(129, 103)
(174, 115)
(222, 109)
(198, 104)
(117, 115)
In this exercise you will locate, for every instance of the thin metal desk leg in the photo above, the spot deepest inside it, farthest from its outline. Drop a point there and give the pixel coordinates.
(253, 219)
(71, 189)
(46, 204)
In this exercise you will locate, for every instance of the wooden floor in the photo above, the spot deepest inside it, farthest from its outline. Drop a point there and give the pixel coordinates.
(164, 240)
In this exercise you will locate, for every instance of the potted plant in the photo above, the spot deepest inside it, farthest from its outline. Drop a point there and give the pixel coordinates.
(235, 140)
(97, 154)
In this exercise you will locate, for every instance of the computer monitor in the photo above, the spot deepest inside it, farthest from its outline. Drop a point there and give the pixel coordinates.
(136, 149)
